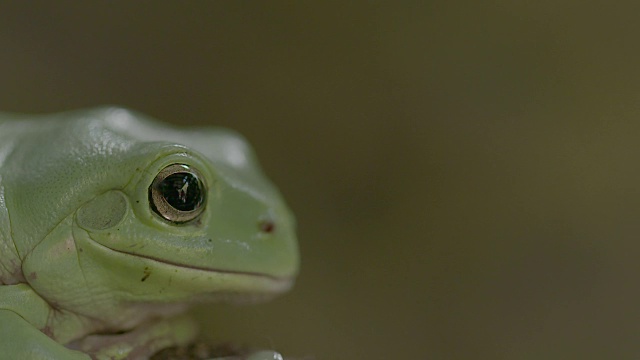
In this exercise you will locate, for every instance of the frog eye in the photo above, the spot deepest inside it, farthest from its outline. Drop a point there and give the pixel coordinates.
(178, 193)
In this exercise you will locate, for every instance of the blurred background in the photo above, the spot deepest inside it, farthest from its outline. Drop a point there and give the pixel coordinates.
(464, 173)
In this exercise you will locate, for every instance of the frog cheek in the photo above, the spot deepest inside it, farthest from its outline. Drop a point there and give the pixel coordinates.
(103, 212)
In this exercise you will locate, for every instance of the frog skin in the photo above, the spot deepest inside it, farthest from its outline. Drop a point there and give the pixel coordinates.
(112, 224)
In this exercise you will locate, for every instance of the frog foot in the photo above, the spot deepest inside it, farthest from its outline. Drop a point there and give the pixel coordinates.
(260, 355)
(142, 342)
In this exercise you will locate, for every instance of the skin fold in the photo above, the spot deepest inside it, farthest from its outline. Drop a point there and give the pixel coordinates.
(112, 225)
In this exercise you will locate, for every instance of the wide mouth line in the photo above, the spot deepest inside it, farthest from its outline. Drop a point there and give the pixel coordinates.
(273, 278)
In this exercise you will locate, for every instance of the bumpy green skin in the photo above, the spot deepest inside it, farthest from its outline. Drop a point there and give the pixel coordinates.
(89, 270)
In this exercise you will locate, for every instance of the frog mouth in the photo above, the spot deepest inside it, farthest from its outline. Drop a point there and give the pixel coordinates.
(203, 268)
(271, 283)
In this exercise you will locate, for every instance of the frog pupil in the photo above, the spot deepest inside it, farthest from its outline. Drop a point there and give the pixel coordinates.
(183, 191)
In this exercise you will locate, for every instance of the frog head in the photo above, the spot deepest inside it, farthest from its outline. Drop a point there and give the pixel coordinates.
(138, 211)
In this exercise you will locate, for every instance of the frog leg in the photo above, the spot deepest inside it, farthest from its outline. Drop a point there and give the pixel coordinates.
(20, 340)
(22, 314)
(141, 342)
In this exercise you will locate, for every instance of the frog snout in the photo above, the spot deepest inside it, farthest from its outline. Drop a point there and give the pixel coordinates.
(276, 220)
(266, 226)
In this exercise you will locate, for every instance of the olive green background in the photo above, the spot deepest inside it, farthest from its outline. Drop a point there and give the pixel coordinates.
(465, 174)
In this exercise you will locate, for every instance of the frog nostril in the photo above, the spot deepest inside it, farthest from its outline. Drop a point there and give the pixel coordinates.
(266, 226)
